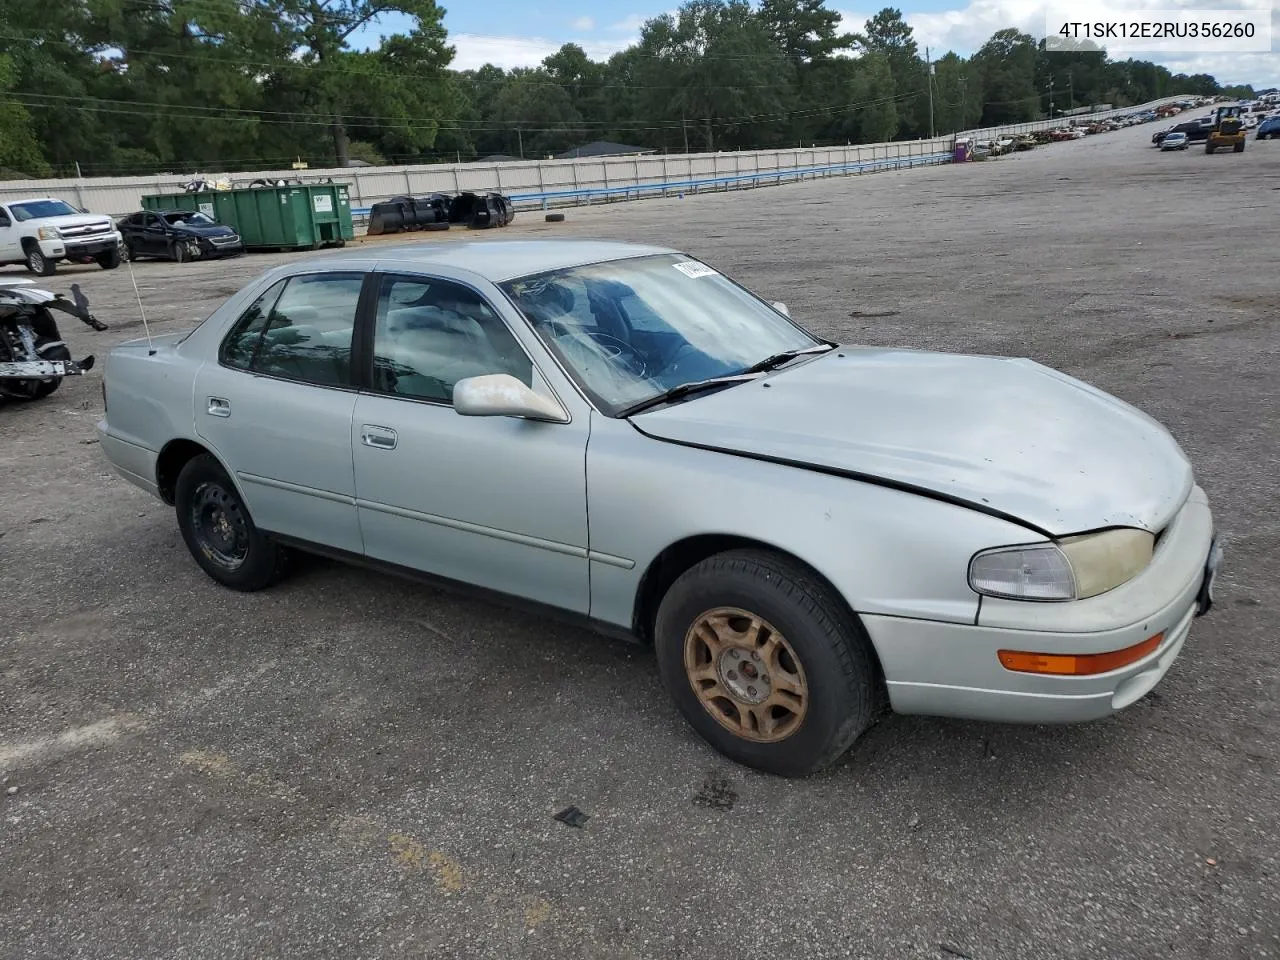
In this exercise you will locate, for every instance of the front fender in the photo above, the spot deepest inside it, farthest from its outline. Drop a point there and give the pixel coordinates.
(887, 551)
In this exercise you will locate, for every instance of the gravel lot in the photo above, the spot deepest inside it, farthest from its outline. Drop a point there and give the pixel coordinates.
(353, 766)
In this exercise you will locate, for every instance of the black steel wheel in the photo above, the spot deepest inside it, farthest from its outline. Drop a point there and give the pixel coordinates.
(219, 531)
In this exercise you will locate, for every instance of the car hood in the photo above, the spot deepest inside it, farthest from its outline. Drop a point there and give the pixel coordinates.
(78, 220)
(1004, 435)
(196, 230)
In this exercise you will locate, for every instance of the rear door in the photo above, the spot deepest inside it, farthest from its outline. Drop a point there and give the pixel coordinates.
(278, 404)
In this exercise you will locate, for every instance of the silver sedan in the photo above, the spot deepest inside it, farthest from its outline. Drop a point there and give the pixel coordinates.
(804, 531)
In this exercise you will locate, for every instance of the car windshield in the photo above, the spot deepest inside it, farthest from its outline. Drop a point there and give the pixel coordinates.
(38, 209)
(190, 217)
(631, 330)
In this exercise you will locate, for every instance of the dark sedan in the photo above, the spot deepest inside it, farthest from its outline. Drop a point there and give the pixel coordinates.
(179, 235)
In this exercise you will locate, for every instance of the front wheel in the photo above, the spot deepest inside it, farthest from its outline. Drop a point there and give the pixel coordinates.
(110, 259)
(766, 663)
(219, 532)
(39, 264)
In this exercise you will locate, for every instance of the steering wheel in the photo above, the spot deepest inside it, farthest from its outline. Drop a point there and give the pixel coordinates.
(615, 348)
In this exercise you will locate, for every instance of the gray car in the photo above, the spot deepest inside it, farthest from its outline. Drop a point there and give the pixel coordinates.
(804, 531)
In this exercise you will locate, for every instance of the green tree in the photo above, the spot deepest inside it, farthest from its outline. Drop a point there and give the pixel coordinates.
(1006, 65)
(805, 30)
(889, 34)
(19, 149)
(537, 116)
(714, 69)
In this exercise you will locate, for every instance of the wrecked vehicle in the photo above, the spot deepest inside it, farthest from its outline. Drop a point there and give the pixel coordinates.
(33, 356)
(626, 436)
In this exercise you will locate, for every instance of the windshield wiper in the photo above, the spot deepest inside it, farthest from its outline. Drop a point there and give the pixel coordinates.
(769, 363)
(684, 389)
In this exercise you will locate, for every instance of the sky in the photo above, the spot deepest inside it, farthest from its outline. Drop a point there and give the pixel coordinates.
(511, 33)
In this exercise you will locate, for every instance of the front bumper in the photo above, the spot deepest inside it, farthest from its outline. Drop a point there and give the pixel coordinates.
(948, 669)
(220, 246)
(63, 249)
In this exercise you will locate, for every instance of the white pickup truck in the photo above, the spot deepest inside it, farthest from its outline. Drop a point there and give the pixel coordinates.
(42, 231)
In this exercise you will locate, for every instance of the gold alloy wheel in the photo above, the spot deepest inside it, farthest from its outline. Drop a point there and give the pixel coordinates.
(746, 674)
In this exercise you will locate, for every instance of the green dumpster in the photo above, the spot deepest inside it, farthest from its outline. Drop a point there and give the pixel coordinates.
(294, 217)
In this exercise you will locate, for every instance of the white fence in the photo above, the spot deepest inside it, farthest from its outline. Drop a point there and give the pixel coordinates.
(550, 182)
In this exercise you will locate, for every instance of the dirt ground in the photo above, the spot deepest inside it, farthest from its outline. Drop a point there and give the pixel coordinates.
(354, 766)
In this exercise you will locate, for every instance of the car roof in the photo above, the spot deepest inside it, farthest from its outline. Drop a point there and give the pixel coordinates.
(499, 260)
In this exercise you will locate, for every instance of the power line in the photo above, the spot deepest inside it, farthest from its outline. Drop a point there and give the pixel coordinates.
(244, 114)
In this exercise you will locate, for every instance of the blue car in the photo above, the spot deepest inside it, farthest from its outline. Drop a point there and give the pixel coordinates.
(1268, 128)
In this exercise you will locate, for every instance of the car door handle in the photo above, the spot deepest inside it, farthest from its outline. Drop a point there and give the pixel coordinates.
(219, 407)
(384, 438)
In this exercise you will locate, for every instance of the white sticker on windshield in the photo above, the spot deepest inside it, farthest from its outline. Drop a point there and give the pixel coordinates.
(693, 269)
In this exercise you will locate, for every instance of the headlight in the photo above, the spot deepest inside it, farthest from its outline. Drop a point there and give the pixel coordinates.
(48, 233)
(1071, 569)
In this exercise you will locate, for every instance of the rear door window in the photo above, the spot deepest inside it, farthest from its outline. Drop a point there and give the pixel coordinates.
(299, 329)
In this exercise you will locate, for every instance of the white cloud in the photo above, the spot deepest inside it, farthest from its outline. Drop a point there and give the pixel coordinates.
(964, 29)
(474, 50)
(631, 24)
(583, 24)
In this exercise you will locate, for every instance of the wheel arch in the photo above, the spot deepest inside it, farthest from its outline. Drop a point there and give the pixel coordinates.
(175, 455)
(673, 560)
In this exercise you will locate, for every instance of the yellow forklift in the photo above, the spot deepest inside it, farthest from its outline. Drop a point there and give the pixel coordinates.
(1228, 130)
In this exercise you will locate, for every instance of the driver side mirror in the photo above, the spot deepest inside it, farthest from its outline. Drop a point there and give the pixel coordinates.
(781, 308)
(502, 395)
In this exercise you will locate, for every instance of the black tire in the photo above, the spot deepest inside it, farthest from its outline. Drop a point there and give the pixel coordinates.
(128, 252)
(1238, 148)
(54, 352)
(1208, 148)
(109, 260)
(555, 218)
(240, 556)
(38, 263)
(831, 650)
(178, 252)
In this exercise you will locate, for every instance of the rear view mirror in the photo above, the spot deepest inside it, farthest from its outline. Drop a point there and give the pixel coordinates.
(502, 395)
(781, 308)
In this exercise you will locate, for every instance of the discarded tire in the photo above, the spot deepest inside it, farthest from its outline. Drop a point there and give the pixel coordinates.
(555, 217)
(437, 211)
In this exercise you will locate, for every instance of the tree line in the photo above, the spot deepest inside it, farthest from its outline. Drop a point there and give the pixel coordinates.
(112, 87)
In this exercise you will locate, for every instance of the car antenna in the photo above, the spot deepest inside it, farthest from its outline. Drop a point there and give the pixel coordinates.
(151, 349)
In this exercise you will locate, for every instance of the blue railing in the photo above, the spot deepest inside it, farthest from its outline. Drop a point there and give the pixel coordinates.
(547, 197)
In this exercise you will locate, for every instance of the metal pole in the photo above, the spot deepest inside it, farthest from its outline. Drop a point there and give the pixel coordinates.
(684, 127)
(929, 79)
(520, 137)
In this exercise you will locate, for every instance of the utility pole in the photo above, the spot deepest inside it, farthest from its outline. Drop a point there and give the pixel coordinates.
(1071, 91)
(929, 79)
(1051, 96)
(963, 91)
(684, 127)
(520, 138)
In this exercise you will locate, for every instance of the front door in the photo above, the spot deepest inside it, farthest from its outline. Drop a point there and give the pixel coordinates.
(152, 238)
(277, 407)
(499, 502)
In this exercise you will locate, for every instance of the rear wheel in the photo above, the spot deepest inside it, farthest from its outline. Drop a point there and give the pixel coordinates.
(766, 663)
(1238, 148)
(219, 532)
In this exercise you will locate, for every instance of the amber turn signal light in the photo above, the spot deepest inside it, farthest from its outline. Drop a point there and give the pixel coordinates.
(1077, 664)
